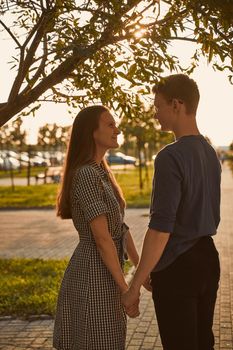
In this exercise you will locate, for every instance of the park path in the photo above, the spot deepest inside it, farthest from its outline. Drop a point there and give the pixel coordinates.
(38, 233)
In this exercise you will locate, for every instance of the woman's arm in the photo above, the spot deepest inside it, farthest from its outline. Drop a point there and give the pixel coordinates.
(108, 253)
(107, 250)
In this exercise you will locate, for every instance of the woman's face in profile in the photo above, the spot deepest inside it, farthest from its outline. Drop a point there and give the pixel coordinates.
(106, 134)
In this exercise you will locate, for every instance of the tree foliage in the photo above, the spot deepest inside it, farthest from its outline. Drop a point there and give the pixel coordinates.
(106, 50)
(52, 137)
(12, 136)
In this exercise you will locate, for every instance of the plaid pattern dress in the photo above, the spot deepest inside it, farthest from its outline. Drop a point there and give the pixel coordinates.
(89, 312)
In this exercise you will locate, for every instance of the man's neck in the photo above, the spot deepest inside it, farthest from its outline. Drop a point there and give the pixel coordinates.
(187, 126)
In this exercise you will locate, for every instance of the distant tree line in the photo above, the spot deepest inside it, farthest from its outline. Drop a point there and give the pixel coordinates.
(51, 137)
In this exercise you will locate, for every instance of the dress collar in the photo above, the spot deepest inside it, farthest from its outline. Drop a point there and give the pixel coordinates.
(100, 169)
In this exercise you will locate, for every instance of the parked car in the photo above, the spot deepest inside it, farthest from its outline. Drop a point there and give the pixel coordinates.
(8, 161)
(39, 161)
(57, 158)
(1, 163)
(120, 158)
(35, 160)
(23, 157)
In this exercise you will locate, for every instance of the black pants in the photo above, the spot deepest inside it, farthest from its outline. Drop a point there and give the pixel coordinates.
(184, 296)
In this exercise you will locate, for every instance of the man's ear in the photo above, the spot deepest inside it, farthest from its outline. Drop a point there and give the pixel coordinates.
(175, 104)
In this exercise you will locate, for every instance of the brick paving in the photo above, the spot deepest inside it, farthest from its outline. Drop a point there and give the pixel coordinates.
(38, 233)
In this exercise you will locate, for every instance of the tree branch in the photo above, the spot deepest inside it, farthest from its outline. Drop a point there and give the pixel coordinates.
(11, 34)
(40, 69)
(182, 38)
(61, 94)
(33, 31)
(45, 100)
(21, 101)
(25, 63)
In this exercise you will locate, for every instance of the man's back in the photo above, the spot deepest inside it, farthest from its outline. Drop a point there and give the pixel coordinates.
(186, 199)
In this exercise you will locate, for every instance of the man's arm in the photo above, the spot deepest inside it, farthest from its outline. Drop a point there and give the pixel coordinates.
(131, 249)
(153, 247)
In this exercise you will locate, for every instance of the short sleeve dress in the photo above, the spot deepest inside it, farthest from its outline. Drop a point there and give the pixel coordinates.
(89, 312)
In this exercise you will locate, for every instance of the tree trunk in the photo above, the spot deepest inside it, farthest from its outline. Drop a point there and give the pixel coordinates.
(29, 166)
(12, 178)
(140, 163)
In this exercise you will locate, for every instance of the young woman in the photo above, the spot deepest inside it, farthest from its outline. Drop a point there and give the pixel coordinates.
(90, 315)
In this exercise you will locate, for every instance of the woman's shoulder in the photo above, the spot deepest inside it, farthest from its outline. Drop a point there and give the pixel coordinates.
(85, 171)
(84, 178)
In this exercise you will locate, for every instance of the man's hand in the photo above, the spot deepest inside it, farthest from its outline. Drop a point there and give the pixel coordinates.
(133, 311)
(130, 300)
(147, 284)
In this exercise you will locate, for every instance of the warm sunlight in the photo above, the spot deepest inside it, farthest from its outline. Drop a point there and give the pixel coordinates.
(139, 33)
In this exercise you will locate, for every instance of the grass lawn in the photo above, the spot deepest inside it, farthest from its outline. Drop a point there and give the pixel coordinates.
(39, 196)
(30, 286)
(42, 196)
(23, 173)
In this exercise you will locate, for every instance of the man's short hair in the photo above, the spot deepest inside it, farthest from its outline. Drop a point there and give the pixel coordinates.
(181, 87)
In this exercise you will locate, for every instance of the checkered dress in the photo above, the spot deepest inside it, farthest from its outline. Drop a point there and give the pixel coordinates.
(89, 312)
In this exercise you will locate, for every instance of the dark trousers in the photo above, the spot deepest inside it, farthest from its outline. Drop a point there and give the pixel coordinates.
(184, 296)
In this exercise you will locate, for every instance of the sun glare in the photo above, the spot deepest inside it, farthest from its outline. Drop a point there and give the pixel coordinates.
(120, 139)
(139, 33)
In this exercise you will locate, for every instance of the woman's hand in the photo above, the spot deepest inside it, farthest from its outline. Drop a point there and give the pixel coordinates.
(130, 300)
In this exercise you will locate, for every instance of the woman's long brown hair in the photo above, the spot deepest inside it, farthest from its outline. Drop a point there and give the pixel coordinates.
(81, 150)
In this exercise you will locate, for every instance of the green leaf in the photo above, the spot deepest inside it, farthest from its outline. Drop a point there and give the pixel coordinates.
(131, 71)
(122, 75)
(118, 64)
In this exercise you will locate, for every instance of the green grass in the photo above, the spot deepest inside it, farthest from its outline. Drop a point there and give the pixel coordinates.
(23, 173)
(129, 182)
(30, 286)
(42, 196)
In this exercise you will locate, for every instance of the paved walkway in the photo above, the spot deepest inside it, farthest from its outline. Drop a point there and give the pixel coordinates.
(38, 233)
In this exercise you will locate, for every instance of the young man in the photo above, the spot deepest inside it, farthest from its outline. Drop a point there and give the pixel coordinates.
(178, 250)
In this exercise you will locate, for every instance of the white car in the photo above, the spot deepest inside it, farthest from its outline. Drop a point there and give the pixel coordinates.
(8, 163)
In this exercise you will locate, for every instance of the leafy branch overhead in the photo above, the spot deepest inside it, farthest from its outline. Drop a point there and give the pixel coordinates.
(105, 50)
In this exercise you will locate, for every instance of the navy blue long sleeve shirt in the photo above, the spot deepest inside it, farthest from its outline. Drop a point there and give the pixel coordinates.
(186, 195)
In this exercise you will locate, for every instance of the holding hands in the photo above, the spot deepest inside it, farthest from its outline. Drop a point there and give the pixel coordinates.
(130, 300)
